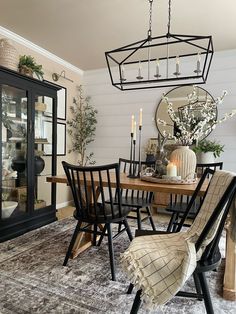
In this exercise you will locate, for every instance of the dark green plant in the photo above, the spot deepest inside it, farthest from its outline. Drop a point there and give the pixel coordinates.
(206, 146)
(29, 62)
(82, 126)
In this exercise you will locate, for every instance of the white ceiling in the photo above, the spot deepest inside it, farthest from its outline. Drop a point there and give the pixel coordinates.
(79, 31)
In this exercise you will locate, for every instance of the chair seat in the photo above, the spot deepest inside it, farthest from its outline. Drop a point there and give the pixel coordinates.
(180, 208)
(134, 202)
(103, 213)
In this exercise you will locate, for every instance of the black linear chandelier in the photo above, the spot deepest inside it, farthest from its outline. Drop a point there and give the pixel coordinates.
(153, 62)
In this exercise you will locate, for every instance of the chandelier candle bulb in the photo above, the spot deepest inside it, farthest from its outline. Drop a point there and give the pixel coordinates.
(139, 77)
(177, 65)
(123, 73)
(157, 75)
(198, 63)
(171, 170)
(140, 117)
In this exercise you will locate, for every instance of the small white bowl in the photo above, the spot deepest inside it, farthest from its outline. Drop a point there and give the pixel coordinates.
(7, 208)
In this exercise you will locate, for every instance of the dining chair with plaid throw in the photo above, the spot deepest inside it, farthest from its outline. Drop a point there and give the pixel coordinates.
(158, 264)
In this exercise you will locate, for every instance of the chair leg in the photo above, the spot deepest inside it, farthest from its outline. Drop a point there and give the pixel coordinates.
(139, 219)
(130, 289)
(119, 227)
(72, 242)
(170, 225)
(150, 218)
(128, 229)
(137, 302)
(111, 252)
(95, 234)
(197, 285)
(175, 226)
(206, 293)
(102, 235)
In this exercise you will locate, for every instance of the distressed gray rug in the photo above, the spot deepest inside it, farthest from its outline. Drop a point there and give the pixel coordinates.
(33, 280)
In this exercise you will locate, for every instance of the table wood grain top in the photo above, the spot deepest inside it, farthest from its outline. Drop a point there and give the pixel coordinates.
(137, 184)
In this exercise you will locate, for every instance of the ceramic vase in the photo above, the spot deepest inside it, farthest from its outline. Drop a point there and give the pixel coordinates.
(185, 160)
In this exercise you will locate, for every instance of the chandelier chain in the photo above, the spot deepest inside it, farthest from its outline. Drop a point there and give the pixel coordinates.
(169, 17)
(150, 19)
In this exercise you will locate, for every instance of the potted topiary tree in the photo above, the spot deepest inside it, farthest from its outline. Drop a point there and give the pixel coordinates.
(82, 127)
(28, 66)
(208, 150)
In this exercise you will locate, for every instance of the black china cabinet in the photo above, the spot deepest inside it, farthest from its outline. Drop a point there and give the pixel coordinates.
(28, 129)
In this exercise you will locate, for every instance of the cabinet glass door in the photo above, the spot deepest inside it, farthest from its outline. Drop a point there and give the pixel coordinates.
(42, 151)
(14, 183)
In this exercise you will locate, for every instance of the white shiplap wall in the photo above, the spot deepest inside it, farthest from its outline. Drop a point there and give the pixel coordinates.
(116, 107)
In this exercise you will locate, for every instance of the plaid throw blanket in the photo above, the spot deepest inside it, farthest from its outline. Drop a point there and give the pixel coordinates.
(161, 264)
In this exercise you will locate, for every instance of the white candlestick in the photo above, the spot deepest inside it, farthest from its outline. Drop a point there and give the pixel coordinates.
(134, 138)
(132, 123)
(171, 169)
(140, 117)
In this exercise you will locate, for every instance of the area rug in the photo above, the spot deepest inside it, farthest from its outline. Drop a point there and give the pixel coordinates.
(33, 280)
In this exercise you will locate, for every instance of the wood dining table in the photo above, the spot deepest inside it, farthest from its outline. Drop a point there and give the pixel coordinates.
(84, 239)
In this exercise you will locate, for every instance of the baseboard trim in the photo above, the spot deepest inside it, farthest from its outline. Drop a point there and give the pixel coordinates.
(61, 205)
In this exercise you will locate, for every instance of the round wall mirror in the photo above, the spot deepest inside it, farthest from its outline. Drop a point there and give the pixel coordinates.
(179, 99)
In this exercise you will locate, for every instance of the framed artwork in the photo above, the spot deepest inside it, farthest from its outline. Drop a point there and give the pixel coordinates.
(61, 104)
(61, 138)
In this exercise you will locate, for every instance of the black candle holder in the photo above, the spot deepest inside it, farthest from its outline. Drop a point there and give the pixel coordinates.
(139, 150)
(133, 165)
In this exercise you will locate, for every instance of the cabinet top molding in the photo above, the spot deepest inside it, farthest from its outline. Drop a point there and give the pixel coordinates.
(43, 83)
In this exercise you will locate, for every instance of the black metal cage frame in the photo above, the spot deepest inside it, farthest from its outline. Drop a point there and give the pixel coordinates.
(194, 41)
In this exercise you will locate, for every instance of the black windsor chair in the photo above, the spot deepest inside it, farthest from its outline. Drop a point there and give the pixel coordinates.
(211, 257)
(178, 203)
(138, 202)
(89, 192)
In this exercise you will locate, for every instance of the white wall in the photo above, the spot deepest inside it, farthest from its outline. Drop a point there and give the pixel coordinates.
(116, 107)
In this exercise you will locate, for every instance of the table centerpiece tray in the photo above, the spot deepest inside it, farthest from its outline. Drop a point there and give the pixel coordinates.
(168, 181)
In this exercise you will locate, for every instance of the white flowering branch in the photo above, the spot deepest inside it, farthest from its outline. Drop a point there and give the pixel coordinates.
(190, 127)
